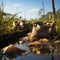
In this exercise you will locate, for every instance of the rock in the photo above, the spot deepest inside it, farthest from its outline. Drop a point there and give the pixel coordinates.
(36, 43)
(52, 30)
(33, 39)
(29, 34)
(40, 31)
(30, 39)
(57, 41)
(21, 42)
(35, 50)
(44, 40)
(26, 38)
(12, 51)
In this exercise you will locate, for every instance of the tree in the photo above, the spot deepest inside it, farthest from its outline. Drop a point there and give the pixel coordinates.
(53, 10)
(49, 16)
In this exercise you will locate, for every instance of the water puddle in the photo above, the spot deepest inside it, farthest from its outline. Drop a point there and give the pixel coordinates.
(22, 51)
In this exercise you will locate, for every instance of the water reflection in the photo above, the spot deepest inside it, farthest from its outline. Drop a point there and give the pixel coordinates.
(12, 51)
(22, 50)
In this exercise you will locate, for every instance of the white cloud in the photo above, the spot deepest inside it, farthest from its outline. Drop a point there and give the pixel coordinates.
(34, 10)
(5, 7)
(16, 5)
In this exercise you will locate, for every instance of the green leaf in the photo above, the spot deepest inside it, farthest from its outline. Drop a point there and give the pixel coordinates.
(14, 16)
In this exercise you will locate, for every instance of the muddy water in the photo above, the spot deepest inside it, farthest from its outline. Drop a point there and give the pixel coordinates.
(30, 55)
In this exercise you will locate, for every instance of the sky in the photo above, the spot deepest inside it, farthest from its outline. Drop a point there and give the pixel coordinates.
(28, 8)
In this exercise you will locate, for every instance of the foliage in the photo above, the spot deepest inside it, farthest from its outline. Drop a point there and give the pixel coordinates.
(1, 17)
(5, 23)
(48, 18)
(57, 20)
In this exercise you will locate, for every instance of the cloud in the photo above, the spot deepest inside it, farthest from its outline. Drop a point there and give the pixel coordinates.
(6, 6)
(34, 10)
(16, 5)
